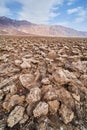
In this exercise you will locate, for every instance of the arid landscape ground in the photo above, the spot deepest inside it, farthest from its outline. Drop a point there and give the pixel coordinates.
(43, 83)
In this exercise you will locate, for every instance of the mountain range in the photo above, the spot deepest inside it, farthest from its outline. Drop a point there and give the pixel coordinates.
(22, 27)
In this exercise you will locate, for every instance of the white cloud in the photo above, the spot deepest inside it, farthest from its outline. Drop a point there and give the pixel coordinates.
(38, 11)
(70, 2)
(3, 9)
(80, 12)
(54, 14)
(74, 10)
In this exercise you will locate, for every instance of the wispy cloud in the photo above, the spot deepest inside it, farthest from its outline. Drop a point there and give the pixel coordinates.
(80, 12)
(39, 11)
(64, 23)
(74, 10)
(70, 2)
(60, 12)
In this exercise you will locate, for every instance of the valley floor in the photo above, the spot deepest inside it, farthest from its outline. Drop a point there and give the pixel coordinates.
(43, 83)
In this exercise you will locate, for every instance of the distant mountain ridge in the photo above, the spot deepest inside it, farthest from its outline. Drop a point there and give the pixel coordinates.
(7, 21)
(22, 27)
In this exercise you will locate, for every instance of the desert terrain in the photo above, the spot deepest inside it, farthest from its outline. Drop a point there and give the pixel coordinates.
(43, 83)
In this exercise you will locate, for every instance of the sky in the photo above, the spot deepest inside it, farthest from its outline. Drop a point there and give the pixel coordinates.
(69, 13)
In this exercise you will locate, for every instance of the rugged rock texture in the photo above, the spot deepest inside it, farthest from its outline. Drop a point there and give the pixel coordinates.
(15, 116)
(11, 101)
(1, 95)
(26, 80)
(34, 95)
(66, 113)
(43, 83)
(53, 106)
(41, 109)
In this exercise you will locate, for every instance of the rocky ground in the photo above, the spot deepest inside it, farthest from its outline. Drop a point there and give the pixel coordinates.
(43, 83)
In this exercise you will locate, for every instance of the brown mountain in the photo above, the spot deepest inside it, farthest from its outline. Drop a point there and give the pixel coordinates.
(15, 27)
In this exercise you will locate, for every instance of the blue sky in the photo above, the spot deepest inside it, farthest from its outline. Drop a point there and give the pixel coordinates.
(70, 13)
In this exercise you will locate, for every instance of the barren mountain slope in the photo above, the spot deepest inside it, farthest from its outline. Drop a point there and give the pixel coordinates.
(24, 27)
